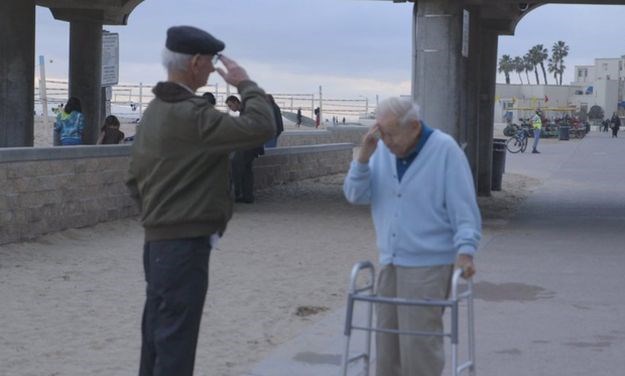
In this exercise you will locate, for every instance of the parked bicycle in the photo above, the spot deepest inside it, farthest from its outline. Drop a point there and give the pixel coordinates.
(518, 142)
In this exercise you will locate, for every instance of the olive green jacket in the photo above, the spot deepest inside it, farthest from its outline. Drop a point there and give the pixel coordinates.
(179, 166)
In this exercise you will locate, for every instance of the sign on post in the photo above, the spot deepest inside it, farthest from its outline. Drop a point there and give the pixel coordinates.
(110, 59)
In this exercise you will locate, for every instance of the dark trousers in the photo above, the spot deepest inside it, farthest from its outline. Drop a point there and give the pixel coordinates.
(615, 132)
(243, 175)
(176, 272)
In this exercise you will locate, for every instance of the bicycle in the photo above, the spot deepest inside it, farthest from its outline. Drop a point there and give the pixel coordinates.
(518, 142)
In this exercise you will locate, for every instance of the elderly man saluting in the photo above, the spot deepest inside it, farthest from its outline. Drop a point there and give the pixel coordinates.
(179, 176)
(426, 218)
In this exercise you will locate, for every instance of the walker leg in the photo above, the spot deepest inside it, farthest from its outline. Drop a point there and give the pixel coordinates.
(345, 356)
(348, 333)
(368, 338)
(471, 334)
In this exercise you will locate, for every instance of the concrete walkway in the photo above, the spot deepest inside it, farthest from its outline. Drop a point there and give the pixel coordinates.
(550, 298)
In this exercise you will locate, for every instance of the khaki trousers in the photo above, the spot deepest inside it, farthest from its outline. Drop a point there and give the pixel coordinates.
(403, 355)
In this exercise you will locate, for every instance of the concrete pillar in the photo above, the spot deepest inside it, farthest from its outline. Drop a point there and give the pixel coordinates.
(17, 70)
(471, 102)
(437, 63)
(85, 73)
(488, 77)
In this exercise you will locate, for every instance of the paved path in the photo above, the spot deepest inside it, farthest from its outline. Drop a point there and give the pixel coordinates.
(550, 297)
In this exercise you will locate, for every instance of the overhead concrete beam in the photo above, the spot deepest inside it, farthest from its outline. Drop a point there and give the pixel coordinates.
(107, 12)
(90, 15)
(91, 4)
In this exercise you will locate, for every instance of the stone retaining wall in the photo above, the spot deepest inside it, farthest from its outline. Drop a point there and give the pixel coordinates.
(335, 134)
(44, 190)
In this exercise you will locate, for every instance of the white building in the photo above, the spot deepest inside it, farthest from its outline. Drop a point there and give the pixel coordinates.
(601, 84)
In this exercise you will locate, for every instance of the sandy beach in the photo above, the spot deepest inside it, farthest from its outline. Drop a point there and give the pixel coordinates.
(72, 301)
(43, 133)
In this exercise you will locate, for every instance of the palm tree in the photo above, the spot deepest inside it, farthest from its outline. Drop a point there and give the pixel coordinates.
(539, 54)
(519, 67)
(529, 66)
(505, 67)
(552, 67)
(561, 70)
(559, 51)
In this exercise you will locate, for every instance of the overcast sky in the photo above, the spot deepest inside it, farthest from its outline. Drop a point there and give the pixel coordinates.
(350, 47)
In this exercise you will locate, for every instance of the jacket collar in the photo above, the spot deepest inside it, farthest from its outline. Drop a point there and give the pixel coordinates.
(172, 92)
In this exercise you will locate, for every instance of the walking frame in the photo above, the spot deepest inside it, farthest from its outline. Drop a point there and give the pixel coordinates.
(366, 294)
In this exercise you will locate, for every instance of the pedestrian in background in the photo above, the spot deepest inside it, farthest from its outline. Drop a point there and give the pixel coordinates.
(299, 117)
(537, 125)
(243, 161)
(178, 175)
(616, 125)
(70, 123)
(110, 133)
(210, 97)
(277, 114)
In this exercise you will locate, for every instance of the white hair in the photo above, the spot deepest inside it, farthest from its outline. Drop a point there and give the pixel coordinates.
(175, 61)
(404, 110)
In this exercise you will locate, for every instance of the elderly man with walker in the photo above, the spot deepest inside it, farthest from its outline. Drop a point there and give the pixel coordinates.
(423, 203)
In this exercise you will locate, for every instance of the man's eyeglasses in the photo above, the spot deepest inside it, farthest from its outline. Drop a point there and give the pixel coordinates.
(215, 58)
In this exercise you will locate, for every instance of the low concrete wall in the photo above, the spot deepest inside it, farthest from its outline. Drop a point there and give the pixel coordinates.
(45, 190)
(335, 134)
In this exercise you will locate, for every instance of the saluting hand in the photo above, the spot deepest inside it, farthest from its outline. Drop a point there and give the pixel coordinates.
(235, 74)
(369, 144)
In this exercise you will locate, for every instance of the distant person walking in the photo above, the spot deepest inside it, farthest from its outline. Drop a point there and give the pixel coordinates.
(317, 117)
(606, 124)
(537, 125)
(616, 125)
(277, 114)
(110, 133)
(299, 117)
(69, 124)
(178, 175)
(243, 160)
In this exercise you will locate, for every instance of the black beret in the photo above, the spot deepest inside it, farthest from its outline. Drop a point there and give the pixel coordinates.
(191, 41)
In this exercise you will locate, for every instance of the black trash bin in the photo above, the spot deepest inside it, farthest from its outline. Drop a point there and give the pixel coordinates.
(564, 132)
(499, 163)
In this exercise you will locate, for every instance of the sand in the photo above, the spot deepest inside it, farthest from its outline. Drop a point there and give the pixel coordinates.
(72, 301)
(43, 133)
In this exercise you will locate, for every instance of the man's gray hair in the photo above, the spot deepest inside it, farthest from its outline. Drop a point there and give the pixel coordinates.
(405, 110)
(175, 61)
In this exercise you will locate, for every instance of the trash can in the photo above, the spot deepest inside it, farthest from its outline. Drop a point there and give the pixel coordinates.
(564, 132)
(499, 163)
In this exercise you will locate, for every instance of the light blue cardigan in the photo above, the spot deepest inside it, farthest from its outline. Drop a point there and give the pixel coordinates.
(428, 217)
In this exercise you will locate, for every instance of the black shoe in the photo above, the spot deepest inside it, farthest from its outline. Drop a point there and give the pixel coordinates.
(535, 151)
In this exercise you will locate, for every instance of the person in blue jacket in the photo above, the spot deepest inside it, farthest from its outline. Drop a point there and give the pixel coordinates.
(70, 123)
(419, 185)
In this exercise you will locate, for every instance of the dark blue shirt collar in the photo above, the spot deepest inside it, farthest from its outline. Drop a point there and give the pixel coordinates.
(403, 163)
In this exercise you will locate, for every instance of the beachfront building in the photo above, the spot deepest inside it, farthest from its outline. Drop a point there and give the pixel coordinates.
(601, 84)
